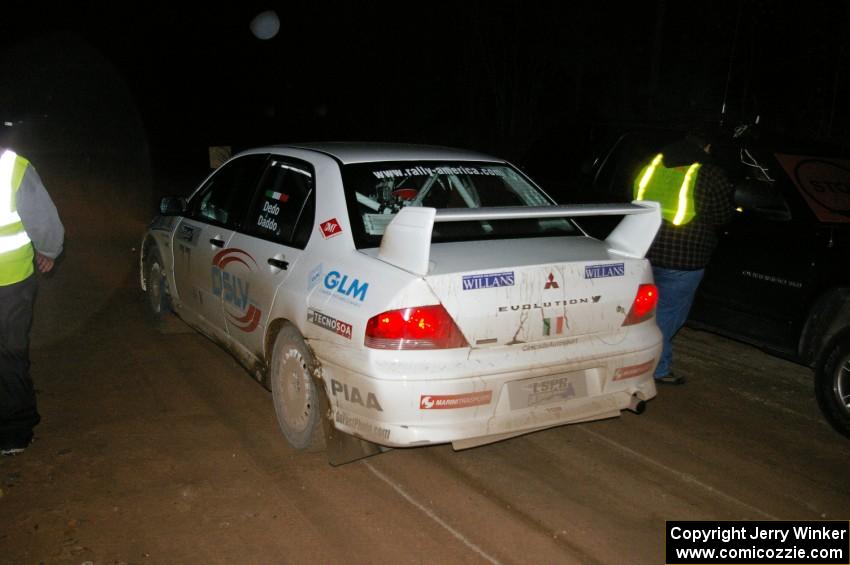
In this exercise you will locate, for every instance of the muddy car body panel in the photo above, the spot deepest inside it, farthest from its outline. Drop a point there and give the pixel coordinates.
(445, 297)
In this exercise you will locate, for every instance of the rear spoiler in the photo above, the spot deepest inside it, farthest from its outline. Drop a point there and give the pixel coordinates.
(407, 239)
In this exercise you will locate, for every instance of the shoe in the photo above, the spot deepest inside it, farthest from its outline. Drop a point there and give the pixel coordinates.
(670, 379)
(15, 447)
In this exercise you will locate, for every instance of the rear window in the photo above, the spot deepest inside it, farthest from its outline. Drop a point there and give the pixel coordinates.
(375, 192)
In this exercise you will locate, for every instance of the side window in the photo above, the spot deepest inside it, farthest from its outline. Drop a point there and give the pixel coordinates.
(283, 209)
(224, 199)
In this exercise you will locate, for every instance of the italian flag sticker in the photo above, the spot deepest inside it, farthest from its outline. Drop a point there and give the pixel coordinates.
(279, 196)
(558, 325)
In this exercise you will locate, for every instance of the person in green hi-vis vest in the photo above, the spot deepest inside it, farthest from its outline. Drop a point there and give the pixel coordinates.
(696, 199)
(31, 236)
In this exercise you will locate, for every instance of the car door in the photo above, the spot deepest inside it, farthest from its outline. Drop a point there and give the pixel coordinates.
(213, 214)
(264, 252)
(758, 282)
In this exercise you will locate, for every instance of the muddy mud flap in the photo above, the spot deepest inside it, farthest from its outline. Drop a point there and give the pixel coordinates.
(344, 448)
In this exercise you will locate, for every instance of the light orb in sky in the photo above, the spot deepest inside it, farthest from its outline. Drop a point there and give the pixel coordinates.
(265, 25)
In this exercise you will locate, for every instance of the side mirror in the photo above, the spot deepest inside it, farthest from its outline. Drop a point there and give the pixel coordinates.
(172, 206)
(762, 200)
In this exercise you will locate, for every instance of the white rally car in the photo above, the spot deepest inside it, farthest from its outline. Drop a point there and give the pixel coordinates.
(409, 295)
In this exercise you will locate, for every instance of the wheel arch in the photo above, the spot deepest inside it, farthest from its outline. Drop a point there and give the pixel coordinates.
(148, 243)
(830, 387)
(828, 317)
(272, 331)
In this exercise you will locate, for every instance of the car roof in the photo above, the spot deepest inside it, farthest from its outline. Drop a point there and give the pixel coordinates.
(367, 152)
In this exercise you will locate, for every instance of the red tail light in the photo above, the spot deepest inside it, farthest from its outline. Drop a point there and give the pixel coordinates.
(422, 327)
(643, 307)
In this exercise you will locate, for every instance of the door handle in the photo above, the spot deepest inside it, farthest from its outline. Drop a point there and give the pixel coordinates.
(217, 242)
(279, 263)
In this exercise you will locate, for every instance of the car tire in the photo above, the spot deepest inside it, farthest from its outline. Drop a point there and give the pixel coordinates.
(832, 384)
(295, 391)
(156, 286)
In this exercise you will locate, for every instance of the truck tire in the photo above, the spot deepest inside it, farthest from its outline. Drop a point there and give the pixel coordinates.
(832, 384)
(295, 391)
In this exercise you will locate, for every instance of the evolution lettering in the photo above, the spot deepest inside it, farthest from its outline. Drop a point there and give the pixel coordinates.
(569, 302)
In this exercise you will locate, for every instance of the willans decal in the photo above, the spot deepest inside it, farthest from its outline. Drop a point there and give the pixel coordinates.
(603, 271)
(490, 280)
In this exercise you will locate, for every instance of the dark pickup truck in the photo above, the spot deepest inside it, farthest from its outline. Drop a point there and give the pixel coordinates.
(780, 277)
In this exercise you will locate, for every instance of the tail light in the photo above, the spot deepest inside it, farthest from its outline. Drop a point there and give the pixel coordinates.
(422, 327)
(643, 307)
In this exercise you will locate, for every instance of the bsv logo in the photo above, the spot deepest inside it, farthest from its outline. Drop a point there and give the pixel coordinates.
(234, 288)
(231, 288)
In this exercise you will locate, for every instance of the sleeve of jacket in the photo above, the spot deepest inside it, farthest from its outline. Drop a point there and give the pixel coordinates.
(39, 215)
(714, 193)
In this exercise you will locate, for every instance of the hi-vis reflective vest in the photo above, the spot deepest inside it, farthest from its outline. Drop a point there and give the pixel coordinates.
(672, 188)
(16, 253)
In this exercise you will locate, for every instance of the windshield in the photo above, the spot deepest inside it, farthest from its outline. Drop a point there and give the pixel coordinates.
(375, 192)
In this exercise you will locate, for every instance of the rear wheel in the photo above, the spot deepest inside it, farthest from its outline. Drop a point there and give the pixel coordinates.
(294, 390)
(832, 385)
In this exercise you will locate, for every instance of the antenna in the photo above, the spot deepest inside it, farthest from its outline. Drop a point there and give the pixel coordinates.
(731, 63)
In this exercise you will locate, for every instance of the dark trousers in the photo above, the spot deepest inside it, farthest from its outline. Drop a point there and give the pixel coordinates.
(18, 413)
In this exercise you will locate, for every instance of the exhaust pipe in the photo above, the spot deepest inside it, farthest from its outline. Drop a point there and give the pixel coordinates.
(637, 405)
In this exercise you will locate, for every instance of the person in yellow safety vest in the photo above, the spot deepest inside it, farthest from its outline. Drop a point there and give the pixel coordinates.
(696, 198)
(671, 187)
(31, 236)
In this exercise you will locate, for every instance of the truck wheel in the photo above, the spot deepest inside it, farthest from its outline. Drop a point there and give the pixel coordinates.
(294, 390)
(159, 304)
(832, 385)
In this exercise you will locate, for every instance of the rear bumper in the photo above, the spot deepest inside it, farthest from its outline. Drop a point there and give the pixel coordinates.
(405, 400)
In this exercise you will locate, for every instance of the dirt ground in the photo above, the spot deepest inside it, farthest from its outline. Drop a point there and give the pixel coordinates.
(157, 447)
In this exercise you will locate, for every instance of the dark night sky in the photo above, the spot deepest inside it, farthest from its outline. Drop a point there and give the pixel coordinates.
(518, 79)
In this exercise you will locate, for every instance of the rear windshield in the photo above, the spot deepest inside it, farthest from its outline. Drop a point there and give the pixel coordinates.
(376, 191)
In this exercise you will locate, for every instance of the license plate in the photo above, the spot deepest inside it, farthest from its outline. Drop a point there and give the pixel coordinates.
(551, 389)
